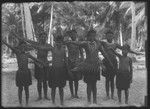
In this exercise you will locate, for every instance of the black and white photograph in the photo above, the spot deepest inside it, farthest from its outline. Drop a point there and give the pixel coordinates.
(74, 54)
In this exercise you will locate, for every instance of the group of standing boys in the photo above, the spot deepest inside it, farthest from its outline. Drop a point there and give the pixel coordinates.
(73, 67)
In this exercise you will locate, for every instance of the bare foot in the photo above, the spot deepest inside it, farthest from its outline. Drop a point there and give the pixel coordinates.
(106, 98)
(72, 97)
(40, 98)
(20, 105)
(62, 104)
(27, 105)
(46, 98)
(54, 104)
(87, 104)
(126, 102)
(119, 103)
(115, 99)
(76, 96)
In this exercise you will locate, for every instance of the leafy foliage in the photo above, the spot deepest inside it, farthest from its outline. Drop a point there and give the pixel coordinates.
(79, 15)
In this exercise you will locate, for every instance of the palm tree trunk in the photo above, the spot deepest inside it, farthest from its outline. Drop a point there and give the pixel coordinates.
(28, 21)
(50, 37)
(121, 40)
(7, 49)
(133, 34)
(22, 15)
(71, 27)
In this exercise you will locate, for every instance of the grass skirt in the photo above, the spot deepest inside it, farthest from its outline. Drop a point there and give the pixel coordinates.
(90, 70)
(57, 76)
(73, 76)
(23, 77)
(41, 73)
(123, 80)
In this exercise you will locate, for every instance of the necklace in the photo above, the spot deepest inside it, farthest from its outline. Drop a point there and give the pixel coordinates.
(92, 46)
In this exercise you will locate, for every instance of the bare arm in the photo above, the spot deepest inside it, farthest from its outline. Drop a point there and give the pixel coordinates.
(117, 54)
(34, 44)
(28, 47)
(130, 51)
(42, 47)
(118, 46)
(65, 56)
(81, 53)
(24, 39)
(12, 48)
(37, 61)
(102, 50)
(78, 43)
(131, 68)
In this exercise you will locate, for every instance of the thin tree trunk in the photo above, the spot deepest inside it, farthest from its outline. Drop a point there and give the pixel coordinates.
(22, 15)
(71, 27)
(50, 37)
(141, 44)
(28, 21)
(133, 34)
(121, 40)
(7, 40)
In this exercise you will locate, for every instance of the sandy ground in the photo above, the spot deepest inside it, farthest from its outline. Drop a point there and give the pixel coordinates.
(10, 99)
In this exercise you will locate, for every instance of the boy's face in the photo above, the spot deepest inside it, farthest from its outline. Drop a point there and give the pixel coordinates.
(73, 37)
(110, 38)
(42, 39)
(91, 36)
(124, 52)
(17, 43)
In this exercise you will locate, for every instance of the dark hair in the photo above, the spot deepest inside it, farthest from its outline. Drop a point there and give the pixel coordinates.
(90, 32)
(73, 33)
(109, 31)
(42, 34)
(21, 42)
(59, 38)
(126, 47)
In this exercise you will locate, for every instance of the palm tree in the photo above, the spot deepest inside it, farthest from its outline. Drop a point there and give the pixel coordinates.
(50, 37)
(11, 19)
(136, 9)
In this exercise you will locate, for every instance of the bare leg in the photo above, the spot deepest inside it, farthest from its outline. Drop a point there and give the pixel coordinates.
(107, 87)
(39, 88)
(61, 93)
(94, 93)
(119, 95)
(126, 96)
(45, 90)
(26, 88)
(89, 89)
(53, 94)
(112, 87)
(71, 88)
(20, 89)
(76, 88)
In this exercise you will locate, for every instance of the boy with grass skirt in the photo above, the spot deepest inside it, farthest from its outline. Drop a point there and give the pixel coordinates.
(23, 75)
(41, 74)
(74, 57)
(90, 67)
(58, 73)
(109, 72)
(125, 73)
